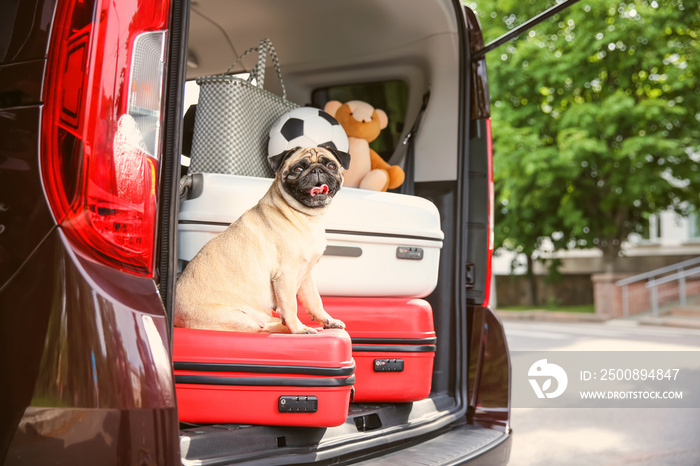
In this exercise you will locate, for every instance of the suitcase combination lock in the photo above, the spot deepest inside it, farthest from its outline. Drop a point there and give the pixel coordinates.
(297, 404)
(388, 365)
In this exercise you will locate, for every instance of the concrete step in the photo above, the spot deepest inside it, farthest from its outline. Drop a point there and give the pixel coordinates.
(671, 321)
(685, 311)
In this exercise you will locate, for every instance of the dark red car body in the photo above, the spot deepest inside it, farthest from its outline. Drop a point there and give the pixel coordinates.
(85, 344)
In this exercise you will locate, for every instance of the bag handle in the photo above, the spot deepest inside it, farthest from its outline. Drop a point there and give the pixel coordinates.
(258, 71)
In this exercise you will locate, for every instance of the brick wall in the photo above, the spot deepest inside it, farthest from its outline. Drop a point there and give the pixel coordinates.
(608, 298)
(584, 289)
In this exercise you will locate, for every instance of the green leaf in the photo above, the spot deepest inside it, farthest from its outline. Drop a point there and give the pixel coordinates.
(596, 119)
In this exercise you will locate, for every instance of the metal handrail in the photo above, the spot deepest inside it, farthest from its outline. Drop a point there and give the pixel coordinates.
(653, 273)
(680, 276)
(674, 277)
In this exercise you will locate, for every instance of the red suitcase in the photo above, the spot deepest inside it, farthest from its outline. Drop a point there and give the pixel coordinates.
(270, 379)
(393, 344)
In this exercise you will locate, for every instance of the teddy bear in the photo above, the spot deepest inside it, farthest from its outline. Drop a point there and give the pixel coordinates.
(363, 123)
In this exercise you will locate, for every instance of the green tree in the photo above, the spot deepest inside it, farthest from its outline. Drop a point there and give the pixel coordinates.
(596, 120)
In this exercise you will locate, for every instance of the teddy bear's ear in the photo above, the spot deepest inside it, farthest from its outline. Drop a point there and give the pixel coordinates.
(383, 119)
(332, 107)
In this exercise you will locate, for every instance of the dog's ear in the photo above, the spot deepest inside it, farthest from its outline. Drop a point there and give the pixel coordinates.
(276, 161)
(343, 157)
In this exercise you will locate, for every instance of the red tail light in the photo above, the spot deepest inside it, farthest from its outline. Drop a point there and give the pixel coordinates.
(491, 239)
(100, 130)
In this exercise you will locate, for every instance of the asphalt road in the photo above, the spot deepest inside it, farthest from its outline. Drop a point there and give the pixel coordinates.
(603, 436)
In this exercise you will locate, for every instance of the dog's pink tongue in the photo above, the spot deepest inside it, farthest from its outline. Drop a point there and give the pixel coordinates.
(323, 189)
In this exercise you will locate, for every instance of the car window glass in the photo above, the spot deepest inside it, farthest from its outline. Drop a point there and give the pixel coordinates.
(390, 96)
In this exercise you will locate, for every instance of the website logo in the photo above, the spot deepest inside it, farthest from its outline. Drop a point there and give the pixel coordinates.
(546, 372)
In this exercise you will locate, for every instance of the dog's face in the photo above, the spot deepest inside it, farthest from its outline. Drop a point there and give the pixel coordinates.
(311, 175)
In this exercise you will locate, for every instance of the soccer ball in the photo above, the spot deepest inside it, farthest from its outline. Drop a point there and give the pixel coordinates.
(306, 127)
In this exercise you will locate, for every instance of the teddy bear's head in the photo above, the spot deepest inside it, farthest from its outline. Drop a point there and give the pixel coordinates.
(358, 119)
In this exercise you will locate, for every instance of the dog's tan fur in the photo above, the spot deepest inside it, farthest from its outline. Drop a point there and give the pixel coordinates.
(257, 265)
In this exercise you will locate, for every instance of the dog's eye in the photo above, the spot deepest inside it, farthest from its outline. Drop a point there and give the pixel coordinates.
(332, 166)
(298, 169)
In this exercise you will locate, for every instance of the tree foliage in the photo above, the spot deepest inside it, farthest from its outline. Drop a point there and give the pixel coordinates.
(596, 120)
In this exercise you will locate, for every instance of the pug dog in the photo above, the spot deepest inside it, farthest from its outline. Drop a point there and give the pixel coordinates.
(255, 269)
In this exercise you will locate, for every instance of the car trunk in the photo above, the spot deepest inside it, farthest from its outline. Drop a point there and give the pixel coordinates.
(323, 47)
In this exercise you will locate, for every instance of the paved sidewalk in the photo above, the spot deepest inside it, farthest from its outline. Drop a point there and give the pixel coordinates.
(665, 320)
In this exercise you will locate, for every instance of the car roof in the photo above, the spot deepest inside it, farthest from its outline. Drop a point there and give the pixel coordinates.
(312, 33)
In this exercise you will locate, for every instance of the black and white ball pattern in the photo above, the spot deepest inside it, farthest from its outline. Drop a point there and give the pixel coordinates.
(306, 127)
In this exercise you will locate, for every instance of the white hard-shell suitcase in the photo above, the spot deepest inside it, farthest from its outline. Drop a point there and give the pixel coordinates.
(379, 244)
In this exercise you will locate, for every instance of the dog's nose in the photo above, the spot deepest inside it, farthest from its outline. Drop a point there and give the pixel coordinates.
(315, 174)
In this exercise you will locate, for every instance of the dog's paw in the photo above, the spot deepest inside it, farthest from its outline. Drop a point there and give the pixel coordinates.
(305, 330)
(333, 323)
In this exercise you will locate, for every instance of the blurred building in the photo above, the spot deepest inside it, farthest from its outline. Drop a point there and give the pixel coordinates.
(672, 238)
